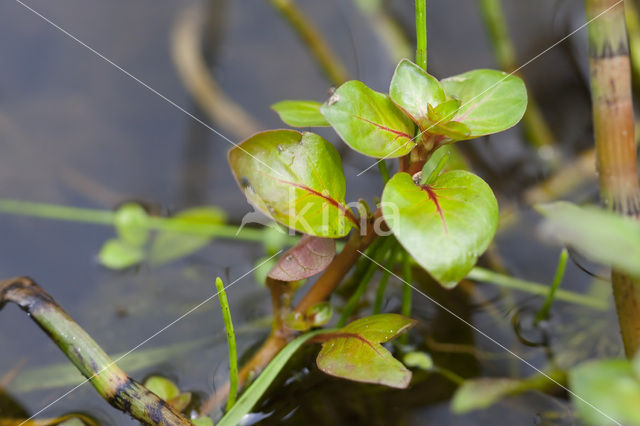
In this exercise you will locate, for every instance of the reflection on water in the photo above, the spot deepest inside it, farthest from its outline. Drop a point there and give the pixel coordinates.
(76, 131)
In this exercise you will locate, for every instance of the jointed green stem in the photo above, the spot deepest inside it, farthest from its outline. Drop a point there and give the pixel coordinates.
(106, 377)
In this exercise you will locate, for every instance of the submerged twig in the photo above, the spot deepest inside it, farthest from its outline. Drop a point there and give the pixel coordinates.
(186, 50)
(107, 378)
(313, 39)
(536, 128)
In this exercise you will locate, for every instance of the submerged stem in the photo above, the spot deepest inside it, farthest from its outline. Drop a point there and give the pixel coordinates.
(313, 39)
(536, 128)
(107, 378)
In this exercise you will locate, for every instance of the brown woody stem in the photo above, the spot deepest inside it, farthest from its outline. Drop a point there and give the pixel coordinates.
(107, 378)
(615, 142)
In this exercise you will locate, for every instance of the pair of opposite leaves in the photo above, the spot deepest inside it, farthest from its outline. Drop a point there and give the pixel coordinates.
(298, 180)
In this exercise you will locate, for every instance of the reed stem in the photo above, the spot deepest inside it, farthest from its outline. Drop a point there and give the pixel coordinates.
(616, 157)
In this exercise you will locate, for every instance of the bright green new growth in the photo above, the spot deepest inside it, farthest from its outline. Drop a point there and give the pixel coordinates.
(445, 225)
(300, 113)
(368, 121)
(491, 101)
(295, 178)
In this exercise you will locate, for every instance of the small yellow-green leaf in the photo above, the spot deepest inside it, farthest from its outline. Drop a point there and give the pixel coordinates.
(481, 393)
(300, 113)
(419, 360)
(491, 101)
(368, 121)
(355, 353)
(413, 90)
(180, 402)
(295, 178)
(445, 225)
(380, 328)
(130, 221)
(162, 387)
(203, 421)
(116, 254)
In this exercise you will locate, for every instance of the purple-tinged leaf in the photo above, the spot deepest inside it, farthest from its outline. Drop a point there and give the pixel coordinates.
(310, 256)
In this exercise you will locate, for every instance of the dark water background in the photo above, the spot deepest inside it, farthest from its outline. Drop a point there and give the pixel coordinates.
(76, 131)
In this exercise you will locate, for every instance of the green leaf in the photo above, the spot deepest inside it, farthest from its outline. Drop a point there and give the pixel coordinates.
(172, 245)
(130, 221)
(162, 387)
(417, 359)
(355, 352)
(310, 256)
(203, 421)
(252, 395)
(300, 113)
(610, 385)
(297, 179)
(434, 166)
(600, 235)
(491, 101)
(446, 225)
(481, 393)
(413, 90)
(116, 254)
(368, 121)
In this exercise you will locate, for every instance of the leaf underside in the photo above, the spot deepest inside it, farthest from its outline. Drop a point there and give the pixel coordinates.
(310, 256)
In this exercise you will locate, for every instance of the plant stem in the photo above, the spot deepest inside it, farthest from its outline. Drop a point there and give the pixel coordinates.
(106, 217)
(306, 30)
(421, 34)
(231, 342)
(377, 306)
(384, 170)
(107, 378)
(407, 291)
(485, 275)
(388, 29)
(352, 303)
(543, 313)
(321, 289)
(613, 124)
(536, 128)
